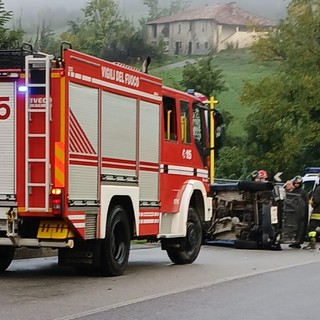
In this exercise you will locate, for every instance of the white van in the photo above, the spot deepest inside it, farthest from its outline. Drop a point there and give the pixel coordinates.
(310, 180)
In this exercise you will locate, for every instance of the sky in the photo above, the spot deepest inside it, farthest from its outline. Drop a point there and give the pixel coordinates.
(31, 10)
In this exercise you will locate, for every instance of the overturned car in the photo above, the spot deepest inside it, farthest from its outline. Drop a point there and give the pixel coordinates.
(255, 215)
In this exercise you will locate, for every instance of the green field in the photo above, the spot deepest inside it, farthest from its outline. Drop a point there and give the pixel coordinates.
(237, 67)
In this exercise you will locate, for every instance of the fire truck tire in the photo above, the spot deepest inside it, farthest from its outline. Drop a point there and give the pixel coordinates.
(6, 257)
(116, 245)
(193, 241)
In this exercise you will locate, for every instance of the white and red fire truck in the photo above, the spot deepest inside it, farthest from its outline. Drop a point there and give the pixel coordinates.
(94, 154)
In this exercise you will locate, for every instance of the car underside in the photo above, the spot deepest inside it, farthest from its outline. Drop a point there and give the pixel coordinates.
(248, 214)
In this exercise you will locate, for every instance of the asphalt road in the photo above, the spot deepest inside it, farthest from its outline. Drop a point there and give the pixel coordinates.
(277, 295)
(223, 283)
(178, 64)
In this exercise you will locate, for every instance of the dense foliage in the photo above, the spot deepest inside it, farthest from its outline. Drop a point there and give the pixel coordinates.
(156, 11)
(8, 38)
(283, 131)
(203, 77)
(104, 33)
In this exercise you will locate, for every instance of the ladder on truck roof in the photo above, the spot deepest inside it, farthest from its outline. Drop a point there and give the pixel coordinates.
(36, 62)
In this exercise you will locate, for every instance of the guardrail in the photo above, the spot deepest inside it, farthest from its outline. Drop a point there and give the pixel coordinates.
(218, 180)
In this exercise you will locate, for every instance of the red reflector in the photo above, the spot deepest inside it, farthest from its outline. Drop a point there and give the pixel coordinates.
(56, 206)
(57, 199)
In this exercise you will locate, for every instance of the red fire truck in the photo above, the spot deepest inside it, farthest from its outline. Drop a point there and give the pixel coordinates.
(95, 154)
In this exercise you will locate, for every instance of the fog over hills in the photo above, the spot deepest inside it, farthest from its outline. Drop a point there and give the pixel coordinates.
(57, 11)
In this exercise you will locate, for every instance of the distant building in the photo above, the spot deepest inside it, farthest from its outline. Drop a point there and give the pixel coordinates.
(216, 27)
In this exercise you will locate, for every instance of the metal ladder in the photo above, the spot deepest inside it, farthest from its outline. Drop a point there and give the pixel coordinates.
(32, 63)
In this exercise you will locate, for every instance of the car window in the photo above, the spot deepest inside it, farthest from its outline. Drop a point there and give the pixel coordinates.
(309, 186)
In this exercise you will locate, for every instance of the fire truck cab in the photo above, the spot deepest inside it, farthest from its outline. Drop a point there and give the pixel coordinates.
(95, 154)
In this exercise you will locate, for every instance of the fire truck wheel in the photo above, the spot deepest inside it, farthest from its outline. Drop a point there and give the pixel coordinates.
(116, 245)
(6, 257)
(193, 241)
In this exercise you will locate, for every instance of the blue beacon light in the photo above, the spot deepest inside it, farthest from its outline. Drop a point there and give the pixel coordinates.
(22, 88)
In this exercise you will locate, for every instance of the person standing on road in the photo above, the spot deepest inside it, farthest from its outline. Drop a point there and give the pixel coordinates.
(314, 223)
(289, 186)
(304, 216)
(269, 236)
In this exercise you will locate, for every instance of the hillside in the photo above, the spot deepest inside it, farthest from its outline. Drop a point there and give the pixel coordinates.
(236, 67)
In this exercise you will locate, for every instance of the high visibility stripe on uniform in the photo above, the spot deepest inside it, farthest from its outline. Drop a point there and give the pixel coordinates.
(315, 216)
(312, 234)
(59, 165)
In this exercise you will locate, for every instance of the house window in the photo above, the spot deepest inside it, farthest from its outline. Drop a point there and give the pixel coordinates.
(179, 28)
(178, 47)
(206, 45)
(190, 26)
(154, 31)
(202, 26)
(165, 30)
(198, 45)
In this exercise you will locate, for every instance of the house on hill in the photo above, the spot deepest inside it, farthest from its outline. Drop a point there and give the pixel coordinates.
(210, 28)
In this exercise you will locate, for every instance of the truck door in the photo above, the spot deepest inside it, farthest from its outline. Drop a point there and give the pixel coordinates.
(200, 131)
(293, 211)
(7, 145)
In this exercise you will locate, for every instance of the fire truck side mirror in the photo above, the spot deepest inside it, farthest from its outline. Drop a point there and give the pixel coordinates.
(27, 46)
(206, 151)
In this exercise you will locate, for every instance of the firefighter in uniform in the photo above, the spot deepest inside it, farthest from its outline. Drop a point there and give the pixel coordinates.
(303, 218)
(259, 175)
(314, 223)
(269, 234)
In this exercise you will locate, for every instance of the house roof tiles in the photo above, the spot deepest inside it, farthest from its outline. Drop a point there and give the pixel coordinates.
(227, 14)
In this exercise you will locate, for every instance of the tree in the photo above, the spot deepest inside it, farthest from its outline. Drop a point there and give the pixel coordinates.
(99, 28)
(103, 33)
(45, 40)
(177, 6)
(283, 130)
(73, 35)
(8, 38)
(203, 77)
(5, 16)
(156, 12)
(102, 23)
(233, 162)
